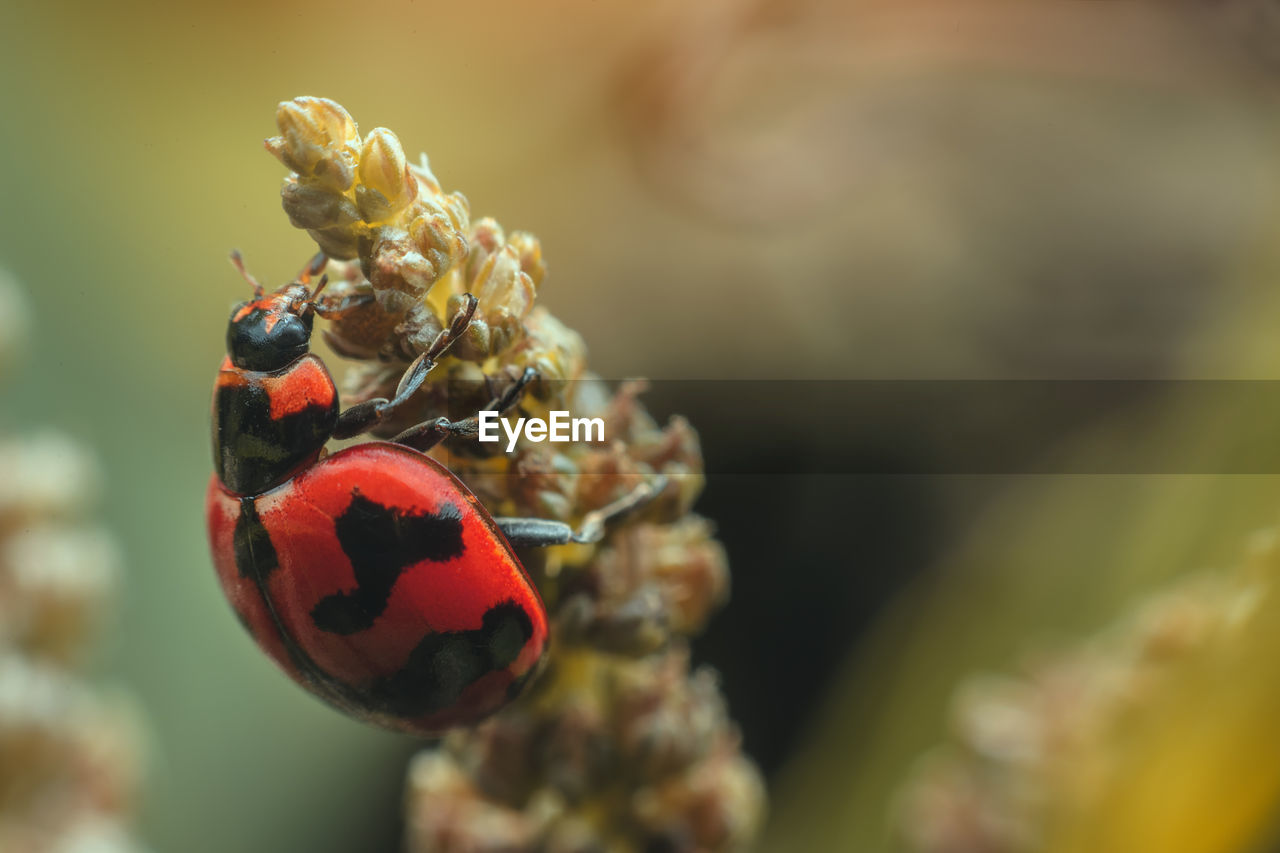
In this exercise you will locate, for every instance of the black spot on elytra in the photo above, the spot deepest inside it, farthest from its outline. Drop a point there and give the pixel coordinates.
(255, 555)
(442, 665)
(256, 559)
(381, 543)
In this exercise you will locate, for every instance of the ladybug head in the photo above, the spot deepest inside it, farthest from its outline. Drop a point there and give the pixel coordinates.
(272, 330)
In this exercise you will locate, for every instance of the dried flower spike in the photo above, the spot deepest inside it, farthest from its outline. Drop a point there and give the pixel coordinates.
(1121, 743)
(616, 746)
(69, 752)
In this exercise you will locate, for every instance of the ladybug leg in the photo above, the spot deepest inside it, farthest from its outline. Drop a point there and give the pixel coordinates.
(428, 434)
(313, 268)
(331, 309)
(541, 532)
(363, 417)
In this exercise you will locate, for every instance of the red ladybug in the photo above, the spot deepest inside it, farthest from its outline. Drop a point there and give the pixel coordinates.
(372, 576)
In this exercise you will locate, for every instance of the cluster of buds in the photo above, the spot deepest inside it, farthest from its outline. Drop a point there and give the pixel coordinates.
(616, 746)
(361, 197)
(1124, 742)
(68, 751)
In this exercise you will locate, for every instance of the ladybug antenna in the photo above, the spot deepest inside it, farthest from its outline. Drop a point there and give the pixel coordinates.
(310, 305)
(324, 279)
(238, 262)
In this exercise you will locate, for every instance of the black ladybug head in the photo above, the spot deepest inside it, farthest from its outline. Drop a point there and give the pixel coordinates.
(271, 332)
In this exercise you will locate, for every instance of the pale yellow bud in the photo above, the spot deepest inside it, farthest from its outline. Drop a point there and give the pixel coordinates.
(486, 237)
(487, 234)
(504, 329)
(439, 241)
(317, 139)
(503, 290)
(529, 248)
(386, 184)
(459, 210)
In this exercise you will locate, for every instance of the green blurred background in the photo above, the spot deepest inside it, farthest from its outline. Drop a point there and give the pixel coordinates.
(729, 190)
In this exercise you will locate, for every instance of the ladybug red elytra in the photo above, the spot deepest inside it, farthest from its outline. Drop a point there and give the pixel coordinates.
(371, 576)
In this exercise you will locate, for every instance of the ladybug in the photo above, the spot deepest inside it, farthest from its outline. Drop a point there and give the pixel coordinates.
(372, 576)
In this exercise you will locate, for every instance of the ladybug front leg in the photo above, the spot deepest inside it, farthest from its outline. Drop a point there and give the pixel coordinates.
(428, 434)
(541, 532)
(337, 308)
(363, 417)
(314, 267)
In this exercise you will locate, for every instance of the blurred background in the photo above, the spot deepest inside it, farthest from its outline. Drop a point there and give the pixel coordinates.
(818, 194)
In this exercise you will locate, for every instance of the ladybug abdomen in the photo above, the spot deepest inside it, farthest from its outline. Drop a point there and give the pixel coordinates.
(376, 580)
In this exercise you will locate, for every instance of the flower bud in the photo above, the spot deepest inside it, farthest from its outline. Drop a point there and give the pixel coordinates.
(667, 721)
(399, 272)
(574, 749)
(314, 207)
(445, 812)
(421, 328)
(474, 343)
(386, 184)
(486, 237)
(439, 242)
(317, 140)
(718, 805)
(339, 243)
(497, 755)
(634, 627)
(529, 249)
(506, 295)
(542, 482)
(553, 349)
